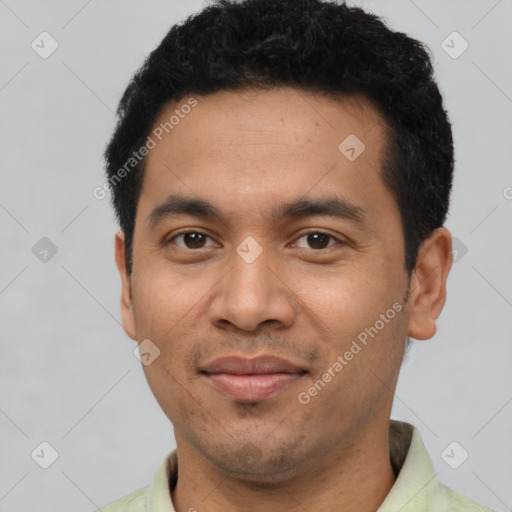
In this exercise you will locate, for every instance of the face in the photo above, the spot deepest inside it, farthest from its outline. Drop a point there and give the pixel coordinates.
(268, 270)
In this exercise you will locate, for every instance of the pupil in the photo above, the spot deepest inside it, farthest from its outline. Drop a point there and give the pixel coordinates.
(193, 239)
(314, 239)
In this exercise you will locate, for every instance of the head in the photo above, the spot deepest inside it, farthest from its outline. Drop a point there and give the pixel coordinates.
(287, 172)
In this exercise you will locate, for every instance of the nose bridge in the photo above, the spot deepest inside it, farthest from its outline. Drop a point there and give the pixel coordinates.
(250, 278)
(251, 293)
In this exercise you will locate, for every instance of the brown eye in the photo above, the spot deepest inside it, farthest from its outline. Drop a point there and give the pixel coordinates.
(318, 240)
(191, 240)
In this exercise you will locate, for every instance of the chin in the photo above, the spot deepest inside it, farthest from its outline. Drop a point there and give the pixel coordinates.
(258, 464)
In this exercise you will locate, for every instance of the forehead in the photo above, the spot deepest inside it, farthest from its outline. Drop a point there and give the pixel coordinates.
(251, 117)
(247, 149)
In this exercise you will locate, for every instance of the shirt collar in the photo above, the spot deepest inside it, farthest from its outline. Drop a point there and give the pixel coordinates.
(416, 483)
(414, 486)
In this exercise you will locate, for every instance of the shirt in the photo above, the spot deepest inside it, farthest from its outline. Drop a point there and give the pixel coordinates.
(416, 488)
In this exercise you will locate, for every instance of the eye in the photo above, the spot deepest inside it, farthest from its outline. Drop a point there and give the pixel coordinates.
(318, 240)
(190, 239)
(197, 240)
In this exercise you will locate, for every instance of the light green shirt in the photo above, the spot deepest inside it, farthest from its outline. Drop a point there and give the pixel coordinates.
(416, 488)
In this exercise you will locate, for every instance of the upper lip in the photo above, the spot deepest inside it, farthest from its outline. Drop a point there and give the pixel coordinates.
(264, 364)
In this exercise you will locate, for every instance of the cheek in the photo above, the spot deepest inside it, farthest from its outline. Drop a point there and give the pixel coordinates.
(166, 309)
(162, 300)
(170, 389)
(367, 325)
(362, 361)
(348, 299)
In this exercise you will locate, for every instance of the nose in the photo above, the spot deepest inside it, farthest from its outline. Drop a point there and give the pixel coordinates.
(252, 294)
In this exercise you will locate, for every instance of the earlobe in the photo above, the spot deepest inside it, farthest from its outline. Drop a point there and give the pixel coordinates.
(428, 284)
(127, 313)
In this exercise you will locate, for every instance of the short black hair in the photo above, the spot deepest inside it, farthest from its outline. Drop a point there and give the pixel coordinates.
(315, 46)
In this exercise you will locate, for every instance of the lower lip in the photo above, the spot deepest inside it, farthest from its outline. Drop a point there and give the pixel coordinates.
(252, 387)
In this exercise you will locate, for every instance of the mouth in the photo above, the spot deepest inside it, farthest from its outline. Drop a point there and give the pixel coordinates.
(251, 380)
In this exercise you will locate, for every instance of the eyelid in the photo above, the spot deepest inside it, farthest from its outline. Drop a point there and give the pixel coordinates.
(319, 232)
(310, 232)
(168, 240)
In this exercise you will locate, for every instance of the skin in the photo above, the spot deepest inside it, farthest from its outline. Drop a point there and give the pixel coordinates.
(247, 152)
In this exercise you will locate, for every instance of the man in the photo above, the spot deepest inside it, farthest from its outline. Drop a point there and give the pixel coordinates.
(281, 172)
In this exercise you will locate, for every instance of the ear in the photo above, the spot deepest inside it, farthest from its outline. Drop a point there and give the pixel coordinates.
(127, 315)
(428, 284)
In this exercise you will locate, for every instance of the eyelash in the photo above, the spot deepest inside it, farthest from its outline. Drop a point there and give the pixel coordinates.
(208, 236)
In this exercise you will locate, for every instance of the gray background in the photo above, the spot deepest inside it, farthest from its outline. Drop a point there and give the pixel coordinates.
(68, 373)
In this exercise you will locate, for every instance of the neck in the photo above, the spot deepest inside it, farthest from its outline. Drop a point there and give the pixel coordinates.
(355, 477)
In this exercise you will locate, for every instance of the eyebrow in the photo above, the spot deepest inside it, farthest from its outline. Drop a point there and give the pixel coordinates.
(335, 206)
